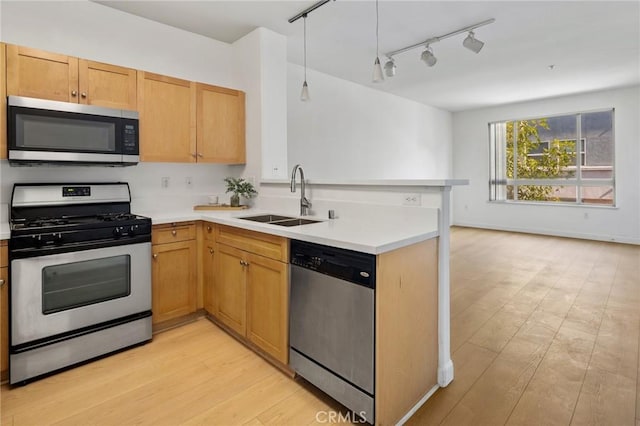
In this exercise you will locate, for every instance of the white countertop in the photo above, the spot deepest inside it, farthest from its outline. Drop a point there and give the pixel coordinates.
(369, 234)
(4, 231)
(366, 234)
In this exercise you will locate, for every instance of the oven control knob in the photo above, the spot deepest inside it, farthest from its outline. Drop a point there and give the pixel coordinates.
(133, 230)
(117, 231)
(57, 238)
(37, 240)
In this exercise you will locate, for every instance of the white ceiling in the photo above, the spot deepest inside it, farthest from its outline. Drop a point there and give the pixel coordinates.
(593, 45)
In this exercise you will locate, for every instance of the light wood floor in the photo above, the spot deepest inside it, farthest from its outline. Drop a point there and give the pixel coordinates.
(544, 331)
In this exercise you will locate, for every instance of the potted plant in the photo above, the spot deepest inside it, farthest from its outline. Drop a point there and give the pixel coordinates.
(240, 188)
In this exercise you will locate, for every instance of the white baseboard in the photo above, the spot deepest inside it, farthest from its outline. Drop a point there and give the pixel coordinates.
(554, 233)
(416, 407)
(445, 374)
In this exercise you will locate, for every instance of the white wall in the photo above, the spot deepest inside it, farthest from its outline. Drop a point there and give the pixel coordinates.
(349, 131)
(96, 32)
(471, 160)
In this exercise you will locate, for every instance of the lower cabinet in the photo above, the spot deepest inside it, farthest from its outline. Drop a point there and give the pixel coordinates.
(174, 274)
(268, 305)
(4, 311)
(252, 294)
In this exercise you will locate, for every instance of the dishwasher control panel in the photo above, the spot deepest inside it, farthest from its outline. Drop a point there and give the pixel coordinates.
(348, 265)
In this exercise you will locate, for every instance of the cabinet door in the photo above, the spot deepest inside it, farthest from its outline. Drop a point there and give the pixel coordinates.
(167, 118)
(3, 103)
(220, 125)
(106, 85)
(39, 74)
(4, 322)
(268, 305)
(230, 288)
(174, 280)
(209, 276)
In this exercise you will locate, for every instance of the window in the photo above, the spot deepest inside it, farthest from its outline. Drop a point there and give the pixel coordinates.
(539, 160)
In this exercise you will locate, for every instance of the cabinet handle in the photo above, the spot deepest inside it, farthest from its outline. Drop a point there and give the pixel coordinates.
(74, 93)
(83, 94)
(194, 155)
(211, 251)
(174, 232)
(200, 155)
(208, 229)
(155, 256)
(1, 283)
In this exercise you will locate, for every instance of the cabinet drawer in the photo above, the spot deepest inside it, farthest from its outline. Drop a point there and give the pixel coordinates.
(266, 245)
(4, 261)
(209, 231)
(174, 232)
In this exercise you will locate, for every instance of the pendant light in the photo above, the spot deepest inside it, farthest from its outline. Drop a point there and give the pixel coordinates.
(304, 95)
(378, 77)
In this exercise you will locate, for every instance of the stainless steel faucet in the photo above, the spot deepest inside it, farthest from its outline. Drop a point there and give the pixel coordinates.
(304, 203)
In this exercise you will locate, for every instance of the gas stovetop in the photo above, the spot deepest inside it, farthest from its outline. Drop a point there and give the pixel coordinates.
(57, 224)
(45, 219)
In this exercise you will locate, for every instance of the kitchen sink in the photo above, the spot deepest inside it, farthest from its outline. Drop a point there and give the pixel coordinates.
(294, 222)
(274, 219)
(266, 218)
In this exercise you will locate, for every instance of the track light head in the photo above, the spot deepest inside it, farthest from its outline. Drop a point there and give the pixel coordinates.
(378, 77)
(472, 43)
(428, 57)
(390, 68)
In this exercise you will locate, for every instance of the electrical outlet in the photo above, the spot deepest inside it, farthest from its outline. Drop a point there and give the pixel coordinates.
(188, 181)
(412, 200)
(164, 182)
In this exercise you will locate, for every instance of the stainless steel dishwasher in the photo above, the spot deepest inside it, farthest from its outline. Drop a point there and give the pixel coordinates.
(332, 323)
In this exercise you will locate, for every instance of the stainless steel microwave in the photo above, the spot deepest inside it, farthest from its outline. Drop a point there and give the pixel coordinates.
(42, 131)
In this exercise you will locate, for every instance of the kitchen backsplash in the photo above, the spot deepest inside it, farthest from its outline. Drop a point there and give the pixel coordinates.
(145, 180)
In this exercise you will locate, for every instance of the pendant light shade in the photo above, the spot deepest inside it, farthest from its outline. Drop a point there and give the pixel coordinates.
(304, 94)
(378, 77)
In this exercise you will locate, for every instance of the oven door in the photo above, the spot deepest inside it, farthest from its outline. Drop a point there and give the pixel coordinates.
(55, 294)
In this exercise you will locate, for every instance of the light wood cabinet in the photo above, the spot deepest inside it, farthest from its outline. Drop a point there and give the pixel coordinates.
(251, 290)
(4, 311)
(3, 103)
(230, 288)
(174, 278)
(38, 74)
(208, 266)
(268, 305)
(167, 118)
(220, 124)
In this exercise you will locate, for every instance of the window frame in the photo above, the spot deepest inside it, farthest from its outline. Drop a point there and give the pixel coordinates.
(498, 184)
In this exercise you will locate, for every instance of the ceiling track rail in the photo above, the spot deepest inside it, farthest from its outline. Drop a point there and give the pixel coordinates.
(308, 10)
(439, 38)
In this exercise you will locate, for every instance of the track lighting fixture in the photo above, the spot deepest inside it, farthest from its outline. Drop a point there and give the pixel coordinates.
(427, 55)
(390, 68)
(472, 43)
(378, 77)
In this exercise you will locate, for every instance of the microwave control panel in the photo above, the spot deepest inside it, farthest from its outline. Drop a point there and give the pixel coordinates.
(130, 137)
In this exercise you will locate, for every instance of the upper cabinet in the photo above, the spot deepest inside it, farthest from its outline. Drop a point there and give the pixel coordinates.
(180, 121)
(220, 125)
(38, 74)
(167, 108)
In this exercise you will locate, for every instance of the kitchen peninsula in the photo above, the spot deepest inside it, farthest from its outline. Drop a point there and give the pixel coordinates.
(412, 296)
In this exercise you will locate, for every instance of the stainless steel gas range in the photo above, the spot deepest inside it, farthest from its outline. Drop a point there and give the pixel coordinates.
(80, 266)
